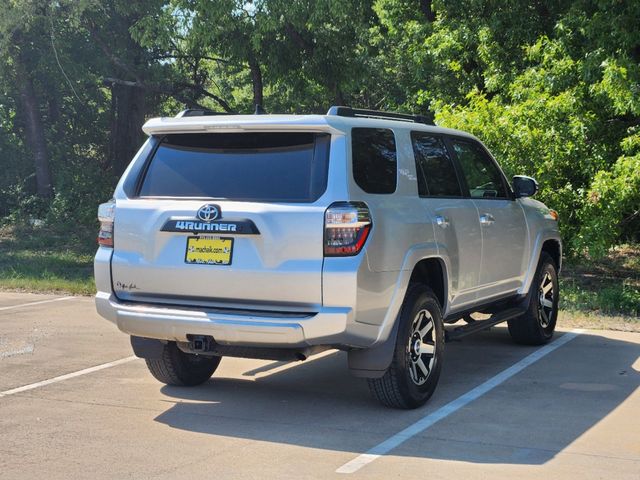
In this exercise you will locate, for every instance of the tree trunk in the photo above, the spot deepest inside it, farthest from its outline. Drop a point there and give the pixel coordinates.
(127, 117)
(339, 98)
(35, 135)
(427, 10)
(256, 80)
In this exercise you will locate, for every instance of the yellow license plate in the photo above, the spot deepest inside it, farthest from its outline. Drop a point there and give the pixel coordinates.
(209, 250)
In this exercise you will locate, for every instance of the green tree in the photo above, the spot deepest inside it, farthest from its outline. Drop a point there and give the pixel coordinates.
(552, 87)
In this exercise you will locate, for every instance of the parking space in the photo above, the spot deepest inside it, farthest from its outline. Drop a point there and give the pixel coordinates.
(573, 413)
(43, 336)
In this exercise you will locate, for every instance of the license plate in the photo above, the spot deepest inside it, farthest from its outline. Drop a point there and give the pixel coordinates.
(209, 250)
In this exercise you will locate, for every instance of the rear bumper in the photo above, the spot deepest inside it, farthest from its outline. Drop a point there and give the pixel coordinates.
(330, 326)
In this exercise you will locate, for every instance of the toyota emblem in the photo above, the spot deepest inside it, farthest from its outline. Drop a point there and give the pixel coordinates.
(208, 212)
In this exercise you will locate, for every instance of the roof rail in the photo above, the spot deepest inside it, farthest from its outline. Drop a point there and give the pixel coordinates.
(198, 112)
(360, 112)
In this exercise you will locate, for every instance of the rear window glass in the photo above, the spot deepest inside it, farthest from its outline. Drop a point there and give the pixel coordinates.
(259, 166)
(374, 159)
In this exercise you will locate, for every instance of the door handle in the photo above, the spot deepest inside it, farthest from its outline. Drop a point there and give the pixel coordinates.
(442, 221)
(486, 219)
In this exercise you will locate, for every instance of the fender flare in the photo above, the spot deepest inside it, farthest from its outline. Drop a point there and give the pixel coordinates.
(539, 241)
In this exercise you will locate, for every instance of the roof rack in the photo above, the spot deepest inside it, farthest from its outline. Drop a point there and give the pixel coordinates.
(360, 112)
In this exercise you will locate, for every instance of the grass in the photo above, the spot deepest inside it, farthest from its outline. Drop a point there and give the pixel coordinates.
(44, 261)
(601, 294)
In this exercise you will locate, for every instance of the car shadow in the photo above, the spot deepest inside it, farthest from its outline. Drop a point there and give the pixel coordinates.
(317, 404)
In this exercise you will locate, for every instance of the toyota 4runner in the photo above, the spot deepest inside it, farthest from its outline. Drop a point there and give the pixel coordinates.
(277, 236)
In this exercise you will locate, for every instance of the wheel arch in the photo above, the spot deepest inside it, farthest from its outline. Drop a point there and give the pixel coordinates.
(554, 249)
(432, 272)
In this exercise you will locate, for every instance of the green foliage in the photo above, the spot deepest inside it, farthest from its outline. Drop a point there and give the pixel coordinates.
(611, 205)
(609, 286)
(553, 88)
(562, 110)
(621, 299)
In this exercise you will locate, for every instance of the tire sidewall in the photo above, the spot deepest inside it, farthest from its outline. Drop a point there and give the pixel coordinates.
(546, 266)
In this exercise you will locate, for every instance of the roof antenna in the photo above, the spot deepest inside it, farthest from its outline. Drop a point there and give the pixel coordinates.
(259, 110)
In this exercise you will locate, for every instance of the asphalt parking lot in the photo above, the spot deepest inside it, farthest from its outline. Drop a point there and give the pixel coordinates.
(571, 412)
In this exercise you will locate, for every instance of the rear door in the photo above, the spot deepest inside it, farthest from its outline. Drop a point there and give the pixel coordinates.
(457, 226)
(503, 225)
(228, 219)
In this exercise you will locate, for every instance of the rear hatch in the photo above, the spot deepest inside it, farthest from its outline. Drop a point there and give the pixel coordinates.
(225, 219)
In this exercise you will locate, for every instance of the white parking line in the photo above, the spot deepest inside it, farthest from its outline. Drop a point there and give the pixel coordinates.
(67, 376)
(21, 351)
(35, 303)
(453, 406)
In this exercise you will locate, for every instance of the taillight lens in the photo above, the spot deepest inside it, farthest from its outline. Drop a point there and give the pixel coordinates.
(106, 215)
(346, 228)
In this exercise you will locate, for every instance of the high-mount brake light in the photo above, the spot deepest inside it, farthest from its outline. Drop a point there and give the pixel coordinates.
(106, 216)
(346, 228)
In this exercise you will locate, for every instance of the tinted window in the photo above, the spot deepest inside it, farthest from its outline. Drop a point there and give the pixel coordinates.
(483, 177)
(374, 159)
(436, 174)
(287, 167)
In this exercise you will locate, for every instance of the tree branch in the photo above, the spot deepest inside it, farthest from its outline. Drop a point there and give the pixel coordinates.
(202, 91)
(188, 57)
(115, 60)
(297, 37)
(176, 91)
(629, 218)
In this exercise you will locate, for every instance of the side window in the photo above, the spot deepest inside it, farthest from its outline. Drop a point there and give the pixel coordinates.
(436, 174)
(375, 164)
(482, 175)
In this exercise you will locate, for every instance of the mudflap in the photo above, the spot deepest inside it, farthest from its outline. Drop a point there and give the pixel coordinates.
(373, 362)
(147, 347)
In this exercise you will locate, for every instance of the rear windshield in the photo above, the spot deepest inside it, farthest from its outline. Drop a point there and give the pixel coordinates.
(260, 166)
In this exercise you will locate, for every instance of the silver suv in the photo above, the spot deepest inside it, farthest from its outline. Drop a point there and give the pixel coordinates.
(277, 236)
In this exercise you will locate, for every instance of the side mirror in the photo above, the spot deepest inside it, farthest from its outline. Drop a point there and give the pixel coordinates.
(524, 186)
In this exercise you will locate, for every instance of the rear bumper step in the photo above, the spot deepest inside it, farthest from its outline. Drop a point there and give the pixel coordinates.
(329, 326)
(476, 326)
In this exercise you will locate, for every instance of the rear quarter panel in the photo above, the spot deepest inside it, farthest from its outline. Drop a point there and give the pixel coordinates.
(402, 235)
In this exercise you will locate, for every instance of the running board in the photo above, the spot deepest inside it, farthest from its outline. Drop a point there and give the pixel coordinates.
(460, 332)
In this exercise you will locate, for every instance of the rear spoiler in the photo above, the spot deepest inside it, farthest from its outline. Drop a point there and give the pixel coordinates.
(238, 123)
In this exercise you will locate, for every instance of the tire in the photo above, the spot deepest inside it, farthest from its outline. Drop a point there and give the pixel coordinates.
(537, 325)
(407, 384)
(174, 367)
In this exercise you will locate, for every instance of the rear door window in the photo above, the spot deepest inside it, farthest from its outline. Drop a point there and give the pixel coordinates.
(374, 159)
(259, 166)
(483, 176)
(435, 170)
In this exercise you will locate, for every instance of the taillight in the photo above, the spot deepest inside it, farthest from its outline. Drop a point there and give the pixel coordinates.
(106, 215)
(346, 228)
